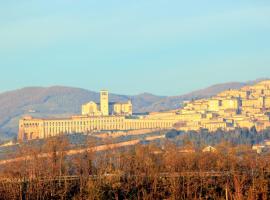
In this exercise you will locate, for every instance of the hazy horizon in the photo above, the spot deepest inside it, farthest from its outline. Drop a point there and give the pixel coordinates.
(161, 47)
(130, 94)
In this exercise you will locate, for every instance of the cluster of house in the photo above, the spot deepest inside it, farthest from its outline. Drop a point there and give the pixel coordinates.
(263, 147)
(244, 108)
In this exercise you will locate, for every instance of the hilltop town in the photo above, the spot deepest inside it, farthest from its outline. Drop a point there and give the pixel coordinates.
(244, 108)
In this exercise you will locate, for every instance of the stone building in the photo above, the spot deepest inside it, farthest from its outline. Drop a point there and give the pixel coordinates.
(244, 108)
(95, 117)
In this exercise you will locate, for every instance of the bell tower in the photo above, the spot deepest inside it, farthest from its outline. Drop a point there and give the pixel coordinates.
(104, 102)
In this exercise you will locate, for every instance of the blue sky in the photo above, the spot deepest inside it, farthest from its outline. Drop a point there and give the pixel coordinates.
(166, 47)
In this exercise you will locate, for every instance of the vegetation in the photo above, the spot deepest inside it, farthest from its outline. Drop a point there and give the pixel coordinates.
(140, 172)
(204, 138)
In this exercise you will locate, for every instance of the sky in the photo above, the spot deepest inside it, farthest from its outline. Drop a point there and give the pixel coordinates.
(165, 47)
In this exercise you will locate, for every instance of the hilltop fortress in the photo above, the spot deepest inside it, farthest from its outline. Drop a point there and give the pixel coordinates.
(244, 108)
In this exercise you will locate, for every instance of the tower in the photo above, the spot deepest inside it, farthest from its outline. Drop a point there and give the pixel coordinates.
(104, 102)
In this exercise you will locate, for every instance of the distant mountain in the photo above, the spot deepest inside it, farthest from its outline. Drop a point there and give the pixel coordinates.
(174, 101)
(54, 101)
(60, 101)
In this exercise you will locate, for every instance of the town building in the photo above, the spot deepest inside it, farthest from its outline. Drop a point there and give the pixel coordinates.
(123, 109)
(244, 108)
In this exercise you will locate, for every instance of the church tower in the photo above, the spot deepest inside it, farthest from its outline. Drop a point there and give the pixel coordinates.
(104, 102)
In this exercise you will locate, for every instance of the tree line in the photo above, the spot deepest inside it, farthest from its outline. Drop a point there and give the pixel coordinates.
(239, 136)
(150, 171)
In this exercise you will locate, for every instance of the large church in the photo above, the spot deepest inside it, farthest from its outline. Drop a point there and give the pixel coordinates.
(103, 116)
(104, 108)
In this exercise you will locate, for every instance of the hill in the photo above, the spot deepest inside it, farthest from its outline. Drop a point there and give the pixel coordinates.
(54, 101)
(60, 101)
